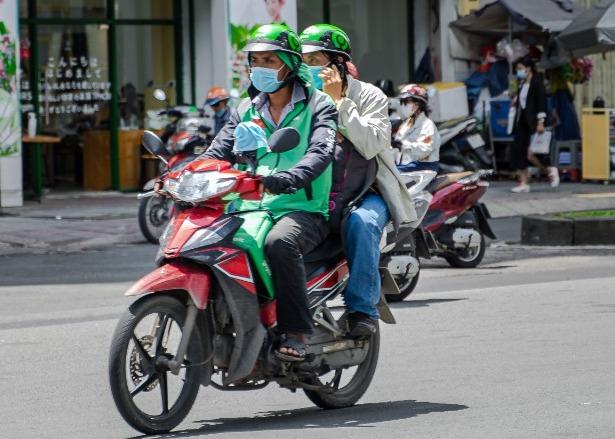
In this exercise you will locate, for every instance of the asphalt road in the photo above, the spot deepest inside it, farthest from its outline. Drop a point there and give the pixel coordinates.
(521, 347)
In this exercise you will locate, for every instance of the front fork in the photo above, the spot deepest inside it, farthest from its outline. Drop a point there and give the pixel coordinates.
(174, 364)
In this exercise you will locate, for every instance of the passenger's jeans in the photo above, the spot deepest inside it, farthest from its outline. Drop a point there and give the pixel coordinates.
(419, 166)
(362, 234)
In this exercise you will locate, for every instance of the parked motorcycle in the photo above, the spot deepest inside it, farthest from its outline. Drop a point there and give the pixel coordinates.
(186, 137)
(205, 316)
(456, 223)
(463, 147)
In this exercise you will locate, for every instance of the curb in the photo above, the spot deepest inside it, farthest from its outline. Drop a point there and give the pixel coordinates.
(551, 231)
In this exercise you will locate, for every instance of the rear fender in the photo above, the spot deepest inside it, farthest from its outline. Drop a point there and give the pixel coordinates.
(176, 276)
(482, 215)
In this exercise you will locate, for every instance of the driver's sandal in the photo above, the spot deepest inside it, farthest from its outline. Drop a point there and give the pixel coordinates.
(294, 344)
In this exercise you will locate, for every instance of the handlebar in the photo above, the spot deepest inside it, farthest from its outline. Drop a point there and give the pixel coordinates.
(147, 194)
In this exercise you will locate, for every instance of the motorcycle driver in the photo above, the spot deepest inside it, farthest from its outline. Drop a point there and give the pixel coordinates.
(418, 137)
(297, 182)
(364, 121)
(217, 99)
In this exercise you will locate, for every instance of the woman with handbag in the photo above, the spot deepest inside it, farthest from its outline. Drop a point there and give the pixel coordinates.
(530, 114)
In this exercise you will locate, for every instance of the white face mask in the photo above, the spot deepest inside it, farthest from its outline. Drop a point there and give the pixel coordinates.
(406, 111)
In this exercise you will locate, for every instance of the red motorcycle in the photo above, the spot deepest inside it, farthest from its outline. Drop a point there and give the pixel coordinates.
(456, 222)
(205, 316)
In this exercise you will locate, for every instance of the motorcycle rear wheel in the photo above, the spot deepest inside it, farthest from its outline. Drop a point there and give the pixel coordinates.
(405, 289)
(471, 259)
(133, 373)
(350, 393)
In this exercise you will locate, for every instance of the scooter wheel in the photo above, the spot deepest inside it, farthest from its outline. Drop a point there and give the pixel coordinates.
(468, 259)
(405, 290)
(154, 213)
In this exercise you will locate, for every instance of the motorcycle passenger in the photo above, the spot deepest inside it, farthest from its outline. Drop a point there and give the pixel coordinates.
(364, 122)
(297, 182)
(217, 99)
(418, 138)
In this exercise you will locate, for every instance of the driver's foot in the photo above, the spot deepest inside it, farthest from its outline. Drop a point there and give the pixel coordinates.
(361, 325)
(292, 348)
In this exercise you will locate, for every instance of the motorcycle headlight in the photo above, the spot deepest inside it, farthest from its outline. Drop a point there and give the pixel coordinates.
(194, 187)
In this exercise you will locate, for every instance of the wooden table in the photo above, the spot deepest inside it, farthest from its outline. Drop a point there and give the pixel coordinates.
(38, 159)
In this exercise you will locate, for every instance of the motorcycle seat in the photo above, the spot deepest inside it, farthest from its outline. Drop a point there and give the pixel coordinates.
(442, 181)
(328, 250)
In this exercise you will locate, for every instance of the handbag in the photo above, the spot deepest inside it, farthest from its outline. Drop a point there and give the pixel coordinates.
(512, 115)
(541, 142)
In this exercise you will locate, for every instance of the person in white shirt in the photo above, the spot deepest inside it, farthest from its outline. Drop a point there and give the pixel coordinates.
(418, 138)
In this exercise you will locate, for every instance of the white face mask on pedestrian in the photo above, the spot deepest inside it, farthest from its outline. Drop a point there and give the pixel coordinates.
(406, 111)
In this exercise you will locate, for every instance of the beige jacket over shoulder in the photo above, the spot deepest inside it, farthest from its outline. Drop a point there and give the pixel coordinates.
(364, 120)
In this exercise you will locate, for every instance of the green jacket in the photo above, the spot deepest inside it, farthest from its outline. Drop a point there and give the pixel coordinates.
(307, 167)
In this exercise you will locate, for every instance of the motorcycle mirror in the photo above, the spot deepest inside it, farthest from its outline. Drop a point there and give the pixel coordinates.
(155, 145)
(160, 95)
(284, 140)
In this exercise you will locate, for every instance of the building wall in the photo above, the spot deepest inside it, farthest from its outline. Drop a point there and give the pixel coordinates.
(212, 46)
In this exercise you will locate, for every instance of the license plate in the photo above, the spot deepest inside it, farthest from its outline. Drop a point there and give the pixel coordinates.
(476, 141)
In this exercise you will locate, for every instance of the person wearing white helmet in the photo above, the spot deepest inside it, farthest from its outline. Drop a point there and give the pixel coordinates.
(418, 138)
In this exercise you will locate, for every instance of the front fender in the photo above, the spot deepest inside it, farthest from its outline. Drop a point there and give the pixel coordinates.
(176, 276)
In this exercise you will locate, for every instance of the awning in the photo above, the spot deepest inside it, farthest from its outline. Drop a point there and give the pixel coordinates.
(535, 19)
(593, 31)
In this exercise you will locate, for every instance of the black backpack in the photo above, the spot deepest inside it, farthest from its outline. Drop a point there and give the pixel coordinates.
(352, 177)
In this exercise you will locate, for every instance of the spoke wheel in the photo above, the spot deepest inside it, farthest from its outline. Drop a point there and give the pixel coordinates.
(347, 386)
(148, 396)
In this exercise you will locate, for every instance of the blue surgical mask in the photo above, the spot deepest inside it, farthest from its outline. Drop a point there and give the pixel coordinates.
(266, 80)
(317, 80)
(521, 74)
(220, 112)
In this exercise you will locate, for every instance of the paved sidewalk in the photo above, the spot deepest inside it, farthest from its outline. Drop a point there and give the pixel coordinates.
(69, 222)
(545, 199)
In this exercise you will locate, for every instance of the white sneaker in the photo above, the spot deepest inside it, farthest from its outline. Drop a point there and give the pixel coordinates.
(554, 176)
(521, 189)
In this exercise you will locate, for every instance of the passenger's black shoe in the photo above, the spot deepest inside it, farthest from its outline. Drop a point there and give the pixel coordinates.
(361, 325)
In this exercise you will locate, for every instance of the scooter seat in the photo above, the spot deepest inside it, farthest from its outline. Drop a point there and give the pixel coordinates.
(330, 249)
(442, 181)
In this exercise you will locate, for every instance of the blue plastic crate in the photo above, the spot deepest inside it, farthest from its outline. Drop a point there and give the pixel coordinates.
(499, 117)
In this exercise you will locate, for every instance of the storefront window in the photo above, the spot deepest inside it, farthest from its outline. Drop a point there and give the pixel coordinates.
(144, 9)
(146, 60)
(70, 8)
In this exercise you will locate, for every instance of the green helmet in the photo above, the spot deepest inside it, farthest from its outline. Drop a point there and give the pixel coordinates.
(326, 37)
(274, 37)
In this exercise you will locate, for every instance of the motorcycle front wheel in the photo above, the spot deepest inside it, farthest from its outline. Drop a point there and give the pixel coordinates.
(148, 396)
(350, 388)
(154, 214)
